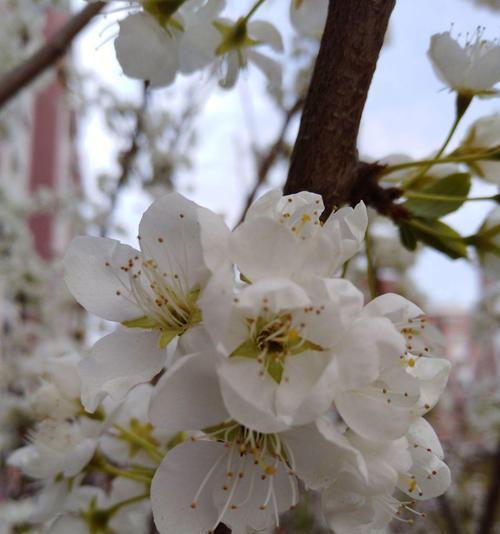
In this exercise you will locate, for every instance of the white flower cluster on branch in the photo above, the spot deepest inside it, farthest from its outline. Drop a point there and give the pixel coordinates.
(240, 366)
(161, 38)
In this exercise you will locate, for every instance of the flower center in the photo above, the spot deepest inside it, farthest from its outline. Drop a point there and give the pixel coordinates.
(162, 10)
(168, 304)
(271, 341)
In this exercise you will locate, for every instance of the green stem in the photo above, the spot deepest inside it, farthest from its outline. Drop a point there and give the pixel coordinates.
(116, 471)
(430, 162)
(127, 502)
(253, 10)
(445, 198)
(151, 450)
(370, 271)
(345, 268)
(462, 103)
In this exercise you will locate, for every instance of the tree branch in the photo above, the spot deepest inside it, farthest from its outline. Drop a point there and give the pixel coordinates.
(492, 498)
(54, 49)
(448, 515)
(325, 156)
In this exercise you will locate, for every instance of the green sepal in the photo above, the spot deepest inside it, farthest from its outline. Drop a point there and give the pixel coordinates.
(166, 337)
(275, 369)
(248, 349)
(454, 185)
(176, 439)
(141, 322)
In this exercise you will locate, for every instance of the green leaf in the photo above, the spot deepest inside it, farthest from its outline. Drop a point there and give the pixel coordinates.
(141, 322)
(440, 236)
(166, 337)
(407, 237)
(454, 185)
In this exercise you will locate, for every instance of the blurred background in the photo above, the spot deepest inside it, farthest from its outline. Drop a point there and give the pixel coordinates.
(84, 150)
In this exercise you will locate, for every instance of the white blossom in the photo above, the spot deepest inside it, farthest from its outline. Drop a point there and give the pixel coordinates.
(483, 136)
(282, 236)
(309, 16)
(470, 70)
(152, 292)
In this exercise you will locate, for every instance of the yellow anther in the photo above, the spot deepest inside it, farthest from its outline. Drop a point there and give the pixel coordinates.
(306, 218)
(293, 335)
(411, 362)
(270, 470)
(412, 485)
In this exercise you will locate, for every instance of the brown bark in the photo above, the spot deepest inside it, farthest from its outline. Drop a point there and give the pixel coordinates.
(46, 56)
(325, 157)
(491, 505)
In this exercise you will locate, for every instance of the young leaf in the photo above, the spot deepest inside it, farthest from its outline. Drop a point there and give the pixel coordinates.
(440, 236)
(455, 185)
(407, 237)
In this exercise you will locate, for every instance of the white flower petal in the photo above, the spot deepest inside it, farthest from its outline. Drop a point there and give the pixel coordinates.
(371, 416)
(266, 33)
(93, 274)
(118, 362)
(146, 51)
(262, 248)
(306, 390)
(320, 453)
(183, 238)
(248, 396)
(188, 396)
(449, 59)
(176, 484)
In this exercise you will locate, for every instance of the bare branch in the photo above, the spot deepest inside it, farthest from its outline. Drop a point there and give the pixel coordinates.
(127, 159)
(449, 515)
(46, 56)
(492, 499)
(325, 157)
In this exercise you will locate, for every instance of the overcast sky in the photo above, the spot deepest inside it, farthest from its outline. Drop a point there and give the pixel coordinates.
(407, 112)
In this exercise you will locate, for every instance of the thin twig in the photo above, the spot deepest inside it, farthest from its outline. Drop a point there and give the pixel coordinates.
(47, 55)
(449, 515)
(127, 159)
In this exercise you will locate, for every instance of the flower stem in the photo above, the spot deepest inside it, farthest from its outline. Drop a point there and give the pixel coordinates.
(430, 162)
(445, 198)
(111, 511)
(110, 469)
(462, 103)
(370, 271)
(149, 448)
(254, 8)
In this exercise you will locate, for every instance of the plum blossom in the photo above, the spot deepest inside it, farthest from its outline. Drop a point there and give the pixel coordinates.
(365, 502)
(283, 236)
(153, 292)
(483, 136)
(238, 47)
(57, 448)
(281, 375)
(166, 38)
(472, 70)
(229, 472)
(308, 16)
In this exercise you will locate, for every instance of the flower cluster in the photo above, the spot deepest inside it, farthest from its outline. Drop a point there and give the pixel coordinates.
(268, 369)
(161, 38)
